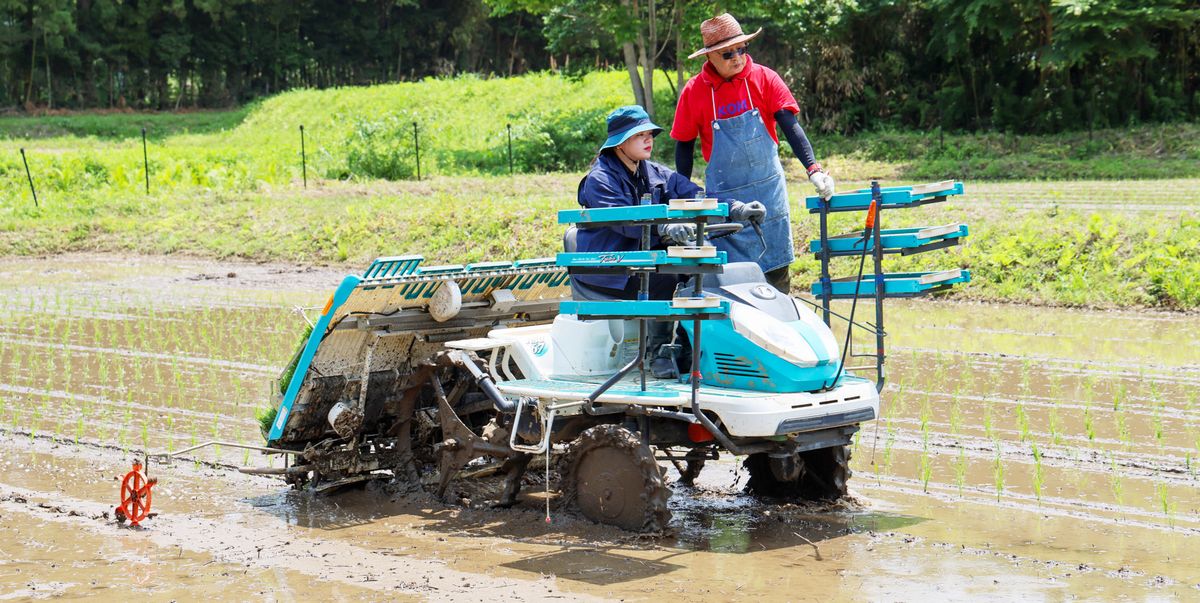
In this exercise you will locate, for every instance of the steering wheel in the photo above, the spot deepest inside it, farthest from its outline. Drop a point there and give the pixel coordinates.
(713, 232)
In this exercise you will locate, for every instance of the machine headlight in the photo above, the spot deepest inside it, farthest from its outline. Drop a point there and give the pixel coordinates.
(777, 337)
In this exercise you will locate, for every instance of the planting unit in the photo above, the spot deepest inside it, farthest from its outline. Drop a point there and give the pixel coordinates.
(876, 242)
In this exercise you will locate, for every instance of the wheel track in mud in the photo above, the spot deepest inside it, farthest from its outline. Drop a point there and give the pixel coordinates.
(246, 539)
(1115, 447)
(1046, 505)
(1097, 461)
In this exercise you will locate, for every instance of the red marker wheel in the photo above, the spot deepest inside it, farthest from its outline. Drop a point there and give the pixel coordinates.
(135, 496)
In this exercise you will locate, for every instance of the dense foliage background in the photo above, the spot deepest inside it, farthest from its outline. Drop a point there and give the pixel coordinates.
(1018, 66)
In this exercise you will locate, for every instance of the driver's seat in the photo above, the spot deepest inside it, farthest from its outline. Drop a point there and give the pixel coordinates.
(579, 290)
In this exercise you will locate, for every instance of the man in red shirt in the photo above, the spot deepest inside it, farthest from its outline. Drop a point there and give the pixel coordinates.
(733, 106)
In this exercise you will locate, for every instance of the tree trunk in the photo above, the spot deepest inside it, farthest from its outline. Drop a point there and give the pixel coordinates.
(512, 52)
(646, 48)
(49, 76)
(32, 69)
(680, 52)
(631, 62)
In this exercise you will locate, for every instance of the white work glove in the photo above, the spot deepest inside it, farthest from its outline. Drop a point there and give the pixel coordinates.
(823, 183)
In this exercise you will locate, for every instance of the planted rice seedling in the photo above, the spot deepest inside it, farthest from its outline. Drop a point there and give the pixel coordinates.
(1023, 422)
(1039, 477)
(1164, 500)
(1114, 481)
(955, 414)
(1053, 424)
(926, 467)
(1026, 370)
(960, 470)
(998, 473)
(1159, 430)
(1123, 431)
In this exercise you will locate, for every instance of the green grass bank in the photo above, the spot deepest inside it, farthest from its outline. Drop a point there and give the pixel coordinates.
(1067, 219)
(463, 127)
(1025, 246)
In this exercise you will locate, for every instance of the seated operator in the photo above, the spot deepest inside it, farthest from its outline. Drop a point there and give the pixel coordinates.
(621, 175)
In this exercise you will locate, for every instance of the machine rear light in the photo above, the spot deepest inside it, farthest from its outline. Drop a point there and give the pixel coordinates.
(698, 434)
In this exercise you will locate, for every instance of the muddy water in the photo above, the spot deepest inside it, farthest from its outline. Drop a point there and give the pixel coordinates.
(1023, 453)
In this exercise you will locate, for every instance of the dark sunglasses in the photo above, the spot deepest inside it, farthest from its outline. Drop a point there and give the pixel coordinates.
(735, 53)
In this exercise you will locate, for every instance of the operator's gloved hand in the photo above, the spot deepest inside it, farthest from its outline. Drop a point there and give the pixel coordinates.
(823, 183)
(747, 212)
(677, 234)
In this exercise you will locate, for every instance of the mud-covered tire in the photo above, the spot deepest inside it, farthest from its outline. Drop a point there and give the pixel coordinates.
(691, 471)
(824, 476)
(611, 477)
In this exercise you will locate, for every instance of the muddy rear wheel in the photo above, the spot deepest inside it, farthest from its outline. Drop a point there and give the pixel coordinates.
(691, 471)
(823, 475)
(611, 477)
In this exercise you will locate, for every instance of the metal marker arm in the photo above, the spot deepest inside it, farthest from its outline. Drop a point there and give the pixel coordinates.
(266, 449)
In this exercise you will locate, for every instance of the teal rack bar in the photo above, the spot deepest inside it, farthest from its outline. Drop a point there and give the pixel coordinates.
(640, 309)
(446, 269)
(535, 263)
(890, 197)
(640, 214)
(899, 284)
(387, 267)
(905, 241)
(484, 266)
(634, 259)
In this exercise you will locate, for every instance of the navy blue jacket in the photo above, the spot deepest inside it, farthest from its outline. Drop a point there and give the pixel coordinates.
(610, 184)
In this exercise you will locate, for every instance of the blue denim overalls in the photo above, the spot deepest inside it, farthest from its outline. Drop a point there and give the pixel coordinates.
(744, 165)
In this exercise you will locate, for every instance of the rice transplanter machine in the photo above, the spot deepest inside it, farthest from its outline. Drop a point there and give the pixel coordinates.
(424, 374)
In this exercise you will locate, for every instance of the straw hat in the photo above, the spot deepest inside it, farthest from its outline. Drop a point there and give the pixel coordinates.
(722, 31)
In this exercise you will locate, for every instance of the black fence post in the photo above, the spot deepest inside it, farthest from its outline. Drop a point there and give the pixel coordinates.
(30, 177)
(510, 163)
(417, 146)
(145, 161)
(303, 158)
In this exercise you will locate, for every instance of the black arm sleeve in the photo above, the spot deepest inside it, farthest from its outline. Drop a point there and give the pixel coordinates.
(684, 153)
(795, 137)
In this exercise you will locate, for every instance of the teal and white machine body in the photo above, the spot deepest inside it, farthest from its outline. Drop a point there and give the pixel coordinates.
(549, 363)
(768, 365)
(754, 350)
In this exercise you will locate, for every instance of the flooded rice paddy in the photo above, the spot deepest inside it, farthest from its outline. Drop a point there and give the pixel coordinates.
(1023, 453)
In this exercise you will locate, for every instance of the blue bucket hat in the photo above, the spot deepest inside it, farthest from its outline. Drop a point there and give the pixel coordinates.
(626, 121)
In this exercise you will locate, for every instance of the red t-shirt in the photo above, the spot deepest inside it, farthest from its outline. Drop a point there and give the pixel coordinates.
(707, 91)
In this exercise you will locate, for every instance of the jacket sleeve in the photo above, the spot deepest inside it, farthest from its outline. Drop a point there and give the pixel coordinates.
(681, 187)
(598, 190)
